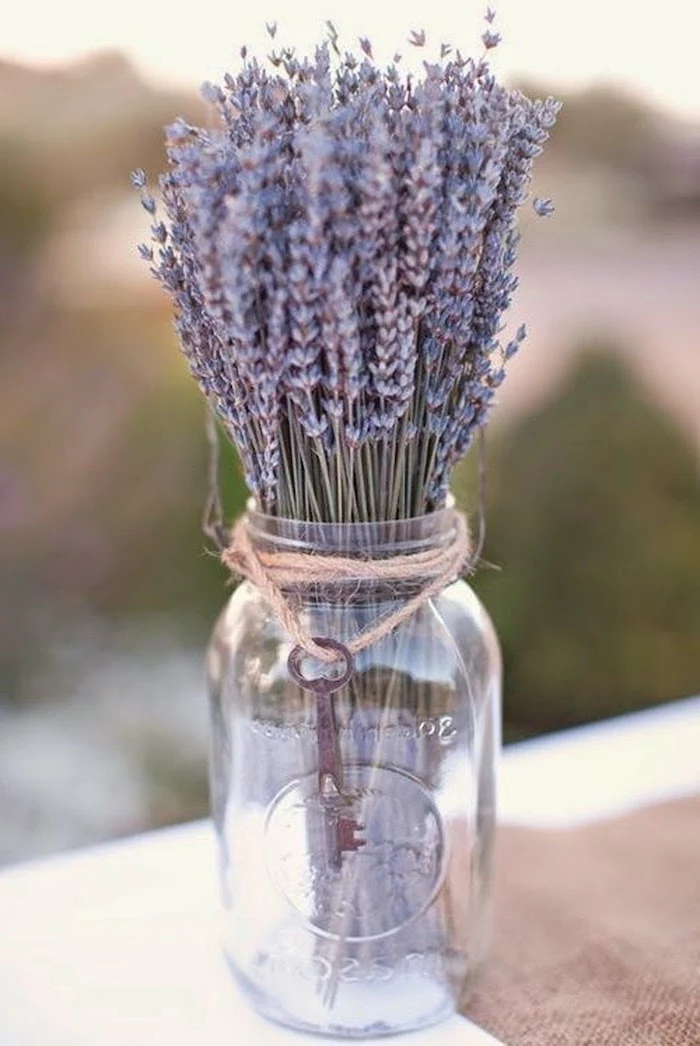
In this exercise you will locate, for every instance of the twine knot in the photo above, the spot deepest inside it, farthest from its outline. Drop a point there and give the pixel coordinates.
(274, 570)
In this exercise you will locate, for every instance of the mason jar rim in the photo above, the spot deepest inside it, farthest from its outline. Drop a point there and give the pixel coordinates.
(384, 536)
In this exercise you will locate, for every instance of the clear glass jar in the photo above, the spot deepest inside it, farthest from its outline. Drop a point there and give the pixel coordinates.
(355, 901)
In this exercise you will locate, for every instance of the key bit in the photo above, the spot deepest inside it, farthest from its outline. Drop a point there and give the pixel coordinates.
(348, 828)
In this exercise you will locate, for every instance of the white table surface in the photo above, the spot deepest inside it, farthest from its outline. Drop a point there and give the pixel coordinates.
(119, 943)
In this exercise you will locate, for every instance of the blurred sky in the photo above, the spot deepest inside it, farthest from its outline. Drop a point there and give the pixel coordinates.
(651, 48)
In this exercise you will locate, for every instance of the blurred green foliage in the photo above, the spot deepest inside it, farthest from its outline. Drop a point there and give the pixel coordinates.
(83, 128)
(25, 207)
(604, 126)
(594, 513)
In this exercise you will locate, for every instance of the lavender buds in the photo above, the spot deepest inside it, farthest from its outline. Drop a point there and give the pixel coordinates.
(340, 254)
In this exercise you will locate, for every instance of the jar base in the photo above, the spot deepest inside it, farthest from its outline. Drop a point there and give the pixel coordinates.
(332, 1025)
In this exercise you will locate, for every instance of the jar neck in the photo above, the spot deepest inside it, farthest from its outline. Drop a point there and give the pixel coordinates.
(363, 541)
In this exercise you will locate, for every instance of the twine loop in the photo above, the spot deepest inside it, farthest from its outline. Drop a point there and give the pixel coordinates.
(274, 570)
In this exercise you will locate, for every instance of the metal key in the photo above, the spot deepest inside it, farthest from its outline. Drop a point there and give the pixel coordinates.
(340, 827)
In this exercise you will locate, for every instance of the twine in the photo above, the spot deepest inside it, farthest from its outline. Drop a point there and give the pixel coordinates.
(273, 571)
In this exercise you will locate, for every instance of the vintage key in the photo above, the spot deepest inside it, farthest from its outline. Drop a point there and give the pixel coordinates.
(340, 826)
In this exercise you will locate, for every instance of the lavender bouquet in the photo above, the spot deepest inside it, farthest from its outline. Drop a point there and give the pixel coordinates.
(340, 251)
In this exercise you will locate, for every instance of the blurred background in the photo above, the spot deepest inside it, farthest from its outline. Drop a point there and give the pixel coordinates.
(107, 593)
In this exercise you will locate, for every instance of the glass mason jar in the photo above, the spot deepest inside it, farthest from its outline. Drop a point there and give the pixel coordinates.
(355, 891)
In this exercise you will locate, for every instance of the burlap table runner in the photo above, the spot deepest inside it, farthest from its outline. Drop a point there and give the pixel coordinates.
(597, 934)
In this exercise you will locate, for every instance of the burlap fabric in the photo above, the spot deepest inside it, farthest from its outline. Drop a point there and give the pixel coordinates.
(597, 934)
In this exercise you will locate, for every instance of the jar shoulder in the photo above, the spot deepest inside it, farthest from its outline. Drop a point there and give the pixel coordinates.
(457, 609)
(447, 649)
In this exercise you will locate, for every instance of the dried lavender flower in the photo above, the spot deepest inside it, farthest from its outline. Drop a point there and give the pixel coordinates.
(491, 40)
(543, 207)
